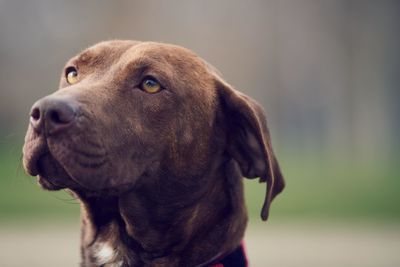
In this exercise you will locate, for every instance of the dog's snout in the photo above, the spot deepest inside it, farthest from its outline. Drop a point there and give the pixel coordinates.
(52, 114)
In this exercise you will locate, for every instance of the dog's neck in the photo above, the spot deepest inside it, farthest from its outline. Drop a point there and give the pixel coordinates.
(149, 226)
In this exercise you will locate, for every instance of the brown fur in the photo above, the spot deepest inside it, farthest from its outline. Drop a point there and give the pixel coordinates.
(158, 175)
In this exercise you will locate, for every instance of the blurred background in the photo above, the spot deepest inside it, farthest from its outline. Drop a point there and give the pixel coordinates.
(326, 72)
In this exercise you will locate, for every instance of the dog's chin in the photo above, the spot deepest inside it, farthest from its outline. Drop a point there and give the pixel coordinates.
(47, 185)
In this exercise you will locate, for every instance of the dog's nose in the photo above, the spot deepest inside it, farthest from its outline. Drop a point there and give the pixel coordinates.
(53, 114)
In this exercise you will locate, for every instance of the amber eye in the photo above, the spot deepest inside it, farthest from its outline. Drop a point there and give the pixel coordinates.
(150, 85)
(71, 74)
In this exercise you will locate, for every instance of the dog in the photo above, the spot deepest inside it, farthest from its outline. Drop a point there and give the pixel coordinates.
(154, 144)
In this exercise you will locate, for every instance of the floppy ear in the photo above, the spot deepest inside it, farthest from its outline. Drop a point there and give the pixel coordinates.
(249, 141)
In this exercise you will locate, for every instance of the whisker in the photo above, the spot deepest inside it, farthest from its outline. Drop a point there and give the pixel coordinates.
(72, 200)
(19, 166)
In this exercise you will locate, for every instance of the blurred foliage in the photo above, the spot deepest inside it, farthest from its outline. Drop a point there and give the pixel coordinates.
(332, 190)
(315, 189)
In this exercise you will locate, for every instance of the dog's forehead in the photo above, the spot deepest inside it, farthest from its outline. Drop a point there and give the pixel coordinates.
(125, 52)
(106, 52)
(161, 51)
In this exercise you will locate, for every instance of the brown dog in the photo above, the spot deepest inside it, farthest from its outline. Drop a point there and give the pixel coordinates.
(154, 144)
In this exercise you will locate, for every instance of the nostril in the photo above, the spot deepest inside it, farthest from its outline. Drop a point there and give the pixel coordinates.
(55, 117)
(62, 114)
(35, 114)
(59, 116)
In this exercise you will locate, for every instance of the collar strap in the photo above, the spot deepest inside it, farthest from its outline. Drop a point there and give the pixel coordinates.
(237, 258)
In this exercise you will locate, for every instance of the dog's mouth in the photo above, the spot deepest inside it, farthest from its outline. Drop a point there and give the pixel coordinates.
(39, 161)
(79, 162)
(51, 175)
(58, 164)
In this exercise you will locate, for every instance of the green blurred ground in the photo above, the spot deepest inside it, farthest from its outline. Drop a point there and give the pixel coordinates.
(332, 189)
(316, 189)
(332, 213)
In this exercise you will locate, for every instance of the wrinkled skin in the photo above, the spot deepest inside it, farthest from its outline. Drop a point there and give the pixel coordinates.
(158, 175)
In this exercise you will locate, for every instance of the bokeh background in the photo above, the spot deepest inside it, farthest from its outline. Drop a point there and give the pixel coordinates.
(326, 72)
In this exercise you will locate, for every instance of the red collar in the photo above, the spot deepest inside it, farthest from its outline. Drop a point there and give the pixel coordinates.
(237, 258)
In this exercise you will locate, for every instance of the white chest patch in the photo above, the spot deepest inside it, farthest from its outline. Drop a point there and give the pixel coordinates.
(104, 253)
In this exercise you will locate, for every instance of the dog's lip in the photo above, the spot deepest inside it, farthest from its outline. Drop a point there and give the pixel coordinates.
(33, 152)
(31, 164)
(49, 171)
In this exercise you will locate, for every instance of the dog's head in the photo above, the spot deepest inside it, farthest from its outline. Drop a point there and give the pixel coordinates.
(129, 111)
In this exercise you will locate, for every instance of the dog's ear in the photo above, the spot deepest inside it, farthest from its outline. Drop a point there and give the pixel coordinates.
(249, 141)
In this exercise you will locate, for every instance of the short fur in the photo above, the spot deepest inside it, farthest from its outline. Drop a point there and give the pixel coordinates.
(159, 176)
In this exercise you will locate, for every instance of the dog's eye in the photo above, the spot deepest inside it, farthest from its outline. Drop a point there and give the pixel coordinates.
(150, 85)
(71, 74)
